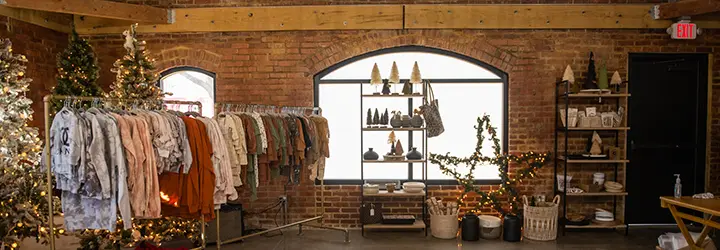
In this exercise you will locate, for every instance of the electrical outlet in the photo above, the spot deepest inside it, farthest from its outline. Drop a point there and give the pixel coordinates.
(283, 198)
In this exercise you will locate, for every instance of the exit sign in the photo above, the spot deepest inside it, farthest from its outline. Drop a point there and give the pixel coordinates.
(683, 30)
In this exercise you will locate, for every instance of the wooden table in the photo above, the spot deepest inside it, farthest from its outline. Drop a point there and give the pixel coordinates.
(709, 206)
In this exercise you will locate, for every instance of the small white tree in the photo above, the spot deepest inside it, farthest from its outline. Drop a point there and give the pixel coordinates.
(375, 78)
(415, 77)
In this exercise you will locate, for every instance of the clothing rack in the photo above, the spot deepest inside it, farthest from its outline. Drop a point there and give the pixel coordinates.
(47, 108)
(235, 106)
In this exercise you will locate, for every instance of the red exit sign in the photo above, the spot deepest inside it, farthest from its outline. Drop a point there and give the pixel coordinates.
(683, 30)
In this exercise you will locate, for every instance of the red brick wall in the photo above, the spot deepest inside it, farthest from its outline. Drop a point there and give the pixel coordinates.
(40, 46)
(277, 68)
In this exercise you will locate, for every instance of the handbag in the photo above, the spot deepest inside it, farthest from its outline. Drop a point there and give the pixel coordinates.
(431, 112)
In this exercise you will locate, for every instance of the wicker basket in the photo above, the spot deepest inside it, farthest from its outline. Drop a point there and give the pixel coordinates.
(541, 223)
(444, 226)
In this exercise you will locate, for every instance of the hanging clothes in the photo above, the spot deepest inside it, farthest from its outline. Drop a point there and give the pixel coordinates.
(109, 164)
(266, 145)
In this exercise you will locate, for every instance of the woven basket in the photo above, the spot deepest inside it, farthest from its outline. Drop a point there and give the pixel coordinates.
(540, 223)
(444, 226)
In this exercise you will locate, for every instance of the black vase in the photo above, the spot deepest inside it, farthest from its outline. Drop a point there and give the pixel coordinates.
(371, 155)
(414, 154)
(470, 227)
(511, 228)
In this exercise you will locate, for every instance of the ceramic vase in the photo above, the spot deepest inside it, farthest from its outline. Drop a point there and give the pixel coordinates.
(512, 228)
(396, 121)
(371, 155)
(414, 154)
(417, 121)
(406, 121)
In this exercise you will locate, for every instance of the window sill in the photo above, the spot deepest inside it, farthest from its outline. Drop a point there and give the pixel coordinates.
(429, 182)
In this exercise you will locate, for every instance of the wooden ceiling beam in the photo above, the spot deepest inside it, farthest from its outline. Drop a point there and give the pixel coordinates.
(684, 8)
(531, 16)
(39, 18)
(286, 18)
(397, 17)
(97, 8)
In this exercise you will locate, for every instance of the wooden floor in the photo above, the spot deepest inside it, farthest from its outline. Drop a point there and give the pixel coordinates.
(639, 238)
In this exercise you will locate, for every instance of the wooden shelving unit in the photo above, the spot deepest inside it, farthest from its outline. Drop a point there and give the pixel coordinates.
(394, 96)
(403, 161)
(596, 194)
(563, 100)
(419, 224)
(588, 95)
(393, 129)
(593, 129)
(397, 193)
(616, 225)
(587, 161)
(412, 102)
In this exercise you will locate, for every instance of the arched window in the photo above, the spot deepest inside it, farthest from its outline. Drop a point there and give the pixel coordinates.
(190, 84)
(465, 87)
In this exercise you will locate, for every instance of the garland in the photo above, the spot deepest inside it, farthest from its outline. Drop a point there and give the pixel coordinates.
(508, 184)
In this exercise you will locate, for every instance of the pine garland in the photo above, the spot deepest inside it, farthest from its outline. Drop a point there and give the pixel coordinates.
(508, 185)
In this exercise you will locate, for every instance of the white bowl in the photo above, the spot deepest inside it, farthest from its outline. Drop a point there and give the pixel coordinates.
(413, 184)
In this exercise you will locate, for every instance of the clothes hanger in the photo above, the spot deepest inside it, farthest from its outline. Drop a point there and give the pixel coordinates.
(192, 113)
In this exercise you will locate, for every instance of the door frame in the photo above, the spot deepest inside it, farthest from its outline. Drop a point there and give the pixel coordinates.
(709, 121)
(708, 125)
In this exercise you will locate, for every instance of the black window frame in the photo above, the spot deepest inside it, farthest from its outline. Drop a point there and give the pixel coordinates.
(415, 48)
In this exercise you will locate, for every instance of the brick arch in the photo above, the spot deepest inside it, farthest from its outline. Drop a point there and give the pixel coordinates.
(184, 56)
(453, 41)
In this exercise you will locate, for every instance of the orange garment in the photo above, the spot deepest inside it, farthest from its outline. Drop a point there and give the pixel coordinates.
(191, 195)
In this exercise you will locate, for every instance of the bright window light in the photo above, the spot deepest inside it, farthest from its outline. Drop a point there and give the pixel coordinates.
(190, 85)
(461, 103)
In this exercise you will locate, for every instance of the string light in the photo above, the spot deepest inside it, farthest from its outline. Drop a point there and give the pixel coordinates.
(532, 160)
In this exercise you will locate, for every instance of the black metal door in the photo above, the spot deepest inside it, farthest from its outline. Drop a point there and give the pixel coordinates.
(668, 120)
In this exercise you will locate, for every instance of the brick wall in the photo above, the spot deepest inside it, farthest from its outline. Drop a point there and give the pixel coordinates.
(277, 68)
(40, 46)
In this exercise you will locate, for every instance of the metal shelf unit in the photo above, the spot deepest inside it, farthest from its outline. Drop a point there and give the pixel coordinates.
(563, 99)
(420, 223)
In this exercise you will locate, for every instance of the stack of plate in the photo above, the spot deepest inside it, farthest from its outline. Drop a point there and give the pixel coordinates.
(613, 187)
(603, 215)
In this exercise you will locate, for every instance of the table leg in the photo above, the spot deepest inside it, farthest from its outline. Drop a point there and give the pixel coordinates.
(704, 233)
(683, 228)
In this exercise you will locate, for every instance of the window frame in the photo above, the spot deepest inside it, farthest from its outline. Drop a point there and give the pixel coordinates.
(173, 70)
(504, 79)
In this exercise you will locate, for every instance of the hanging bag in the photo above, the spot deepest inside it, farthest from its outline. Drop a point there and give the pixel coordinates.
(431, 112)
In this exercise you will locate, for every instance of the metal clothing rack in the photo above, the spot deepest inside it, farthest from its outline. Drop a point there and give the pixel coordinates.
(228, 106)
(47, 108)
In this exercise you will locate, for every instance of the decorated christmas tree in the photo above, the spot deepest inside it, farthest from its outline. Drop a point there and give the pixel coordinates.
(528, 164)
(77, 71)
(23, 191)
(135, 72)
